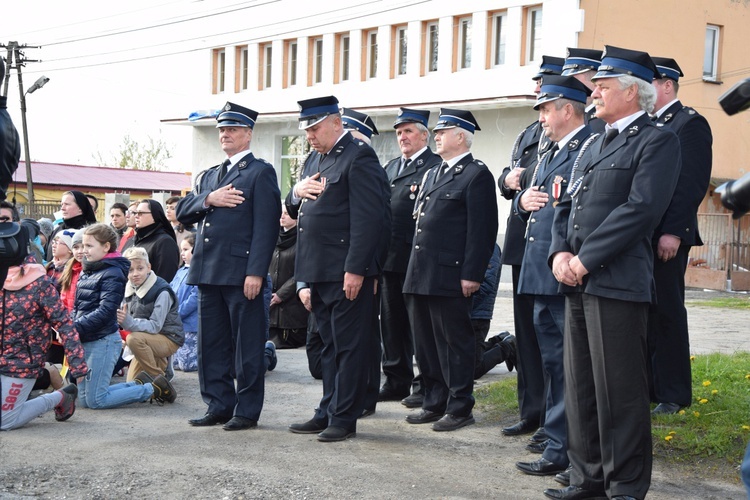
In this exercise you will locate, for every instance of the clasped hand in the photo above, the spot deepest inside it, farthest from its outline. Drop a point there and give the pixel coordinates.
(309, 187)
(225, 196)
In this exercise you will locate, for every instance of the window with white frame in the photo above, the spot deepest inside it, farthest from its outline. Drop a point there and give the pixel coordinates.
(534, 35)
(219, 69)
(464, 42)
(371, 54)
(430, 47)
(242, 60)
(401, 49)
(317, 60)
(498, 27)
(344, 47)
(266, 58)
(711, 53)
(290, 63)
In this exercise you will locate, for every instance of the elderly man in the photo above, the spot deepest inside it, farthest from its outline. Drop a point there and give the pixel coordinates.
(405, 175)
(237, 204)
(529, 145)
(342, 209)
(455, 235)
(601, 253)
(668, 339)
(561, 104)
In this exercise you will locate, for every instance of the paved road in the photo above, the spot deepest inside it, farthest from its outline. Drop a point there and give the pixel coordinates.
(147, 451)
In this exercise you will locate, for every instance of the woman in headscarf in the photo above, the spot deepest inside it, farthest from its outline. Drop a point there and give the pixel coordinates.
(154, 233)
(77, 213)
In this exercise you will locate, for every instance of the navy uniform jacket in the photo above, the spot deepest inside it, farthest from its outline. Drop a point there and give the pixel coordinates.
(404, 191)
(536, 277)
(455, 230)
(692, 129)
(623, 192)
(346, 229)
(595, 124)
(232, 243)
(525, 154)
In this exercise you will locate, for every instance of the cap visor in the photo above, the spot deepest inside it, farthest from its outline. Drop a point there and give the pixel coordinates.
(231, 123)
(306, 123)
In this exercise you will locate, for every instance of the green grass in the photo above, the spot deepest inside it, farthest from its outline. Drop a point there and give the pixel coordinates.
(711, 435)
(728, 302)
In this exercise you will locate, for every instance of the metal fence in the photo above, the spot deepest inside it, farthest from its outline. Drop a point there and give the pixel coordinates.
(39, 209)
(726, 243)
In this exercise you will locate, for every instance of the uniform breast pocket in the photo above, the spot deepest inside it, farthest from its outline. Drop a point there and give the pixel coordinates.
(614, 176)
(450, 195)
(331, 180)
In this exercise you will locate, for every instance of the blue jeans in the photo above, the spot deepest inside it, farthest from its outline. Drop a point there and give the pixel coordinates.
(94, 390)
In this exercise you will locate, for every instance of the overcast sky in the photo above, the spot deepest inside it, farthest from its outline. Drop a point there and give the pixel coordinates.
(107, 79)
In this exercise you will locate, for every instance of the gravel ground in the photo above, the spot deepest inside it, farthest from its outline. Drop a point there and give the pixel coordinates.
(148, 451)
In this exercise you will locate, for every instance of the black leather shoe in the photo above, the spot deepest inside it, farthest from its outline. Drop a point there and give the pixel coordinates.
(564, 477)
(332, 434)
(573, 493)
(413, 401)
(508, 345)
(537, 447)
(367, 412)
(208, 419)
(666, 409)
(424, 417)
(312, 426)
(539, 436)
(239, 424)
(541, 467)
(388, 394)
(452, 422)
(522, 427)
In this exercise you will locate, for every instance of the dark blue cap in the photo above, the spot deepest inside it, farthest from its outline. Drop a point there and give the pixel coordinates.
(234, 115)
(451, 118)
(667, 68)
(550, 66)
(407, 115)
(581, 60)
(354, 120)
(312, 111)
(617, 61)
(561, 87)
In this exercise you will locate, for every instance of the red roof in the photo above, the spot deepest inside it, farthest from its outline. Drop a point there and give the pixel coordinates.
(121, 179)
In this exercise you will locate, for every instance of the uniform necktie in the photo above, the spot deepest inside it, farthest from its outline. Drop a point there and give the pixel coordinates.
(547, 160)
(611, 134)
(404, 163)
(441, 170)
(223, 169)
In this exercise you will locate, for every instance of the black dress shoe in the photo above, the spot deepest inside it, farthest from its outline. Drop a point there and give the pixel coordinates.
(239, 424)
(666, 409)
(332, 434)
(312, 426)
(388, 394)
(452, 422)
(367, 412)
(522, 427)
(539, 436)
(541, 467)
(564, 477)
(537, 447)
(424, 417)
(413, 401)
(573, 493)
(208, 419)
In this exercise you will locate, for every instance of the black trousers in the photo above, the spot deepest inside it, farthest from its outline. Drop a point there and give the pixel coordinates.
(606, 394)
(397, 337)
(668, 338)
(532, 384)
(445, 351)
(345, 328)
(231, 341)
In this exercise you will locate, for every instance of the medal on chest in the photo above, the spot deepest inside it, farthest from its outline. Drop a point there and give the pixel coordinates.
(557, 189)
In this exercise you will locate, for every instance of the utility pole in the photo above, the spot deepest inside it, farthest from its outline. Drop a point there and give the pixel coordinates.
(15, 53)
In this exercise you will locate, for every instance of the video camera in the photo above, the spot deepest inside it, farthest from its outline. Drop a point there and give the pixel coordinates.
(735, 195)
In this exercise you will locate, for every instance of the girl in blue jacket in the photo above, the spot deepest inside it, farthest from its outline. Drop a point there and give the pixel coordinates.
(186, 357)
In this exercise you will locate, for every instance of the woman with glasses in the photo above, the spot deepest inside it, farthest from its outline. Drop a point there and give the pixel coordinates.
(154, 233)
(76, 214)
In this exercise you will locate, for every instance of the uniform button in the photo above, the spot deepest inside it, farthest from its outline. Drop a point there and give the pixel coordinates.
(687, 229)
(421, 214)
(585, 188)
(579, 207)
(206, 240)
(542, 188)
(533, 220)
(426, 197)
(301, 214)
(208, 224)
(342, 240)
(393, 185)
(457, 262)
(419, 230)
(576, 226)
(416, 247)
(301, 229)
(531, 239)
(447, 195)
